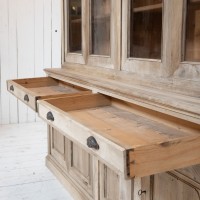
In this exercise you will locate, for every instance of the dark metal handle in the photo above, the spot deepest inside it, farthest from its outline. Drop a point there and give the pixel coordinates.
(92, 143)
(26, 98)
(12, 88)
(50, 116)
(140, 192)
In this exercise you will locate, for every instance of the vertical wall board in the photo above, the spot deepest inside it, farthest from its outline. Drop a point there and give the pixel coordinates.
(26, 49)
(39, 39)
(1, 29)
(56, 33)
(1, 17)
(12, 57)
(26, 46)
(4, 62)
(47, 34)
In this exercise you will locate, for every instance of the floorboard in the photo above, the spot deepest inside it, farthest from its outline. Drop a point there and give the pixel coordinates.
(23, 175)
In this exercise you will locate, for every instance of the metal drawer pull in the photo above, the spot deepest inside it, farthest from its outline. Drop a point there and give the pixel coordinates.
(12, 88)
(26, 98)
(50, 116)
(92, 143)
(140, 192)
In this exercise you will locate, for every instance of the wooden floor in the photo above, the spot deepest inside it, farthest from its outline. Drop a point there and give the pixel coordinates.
(23, 175)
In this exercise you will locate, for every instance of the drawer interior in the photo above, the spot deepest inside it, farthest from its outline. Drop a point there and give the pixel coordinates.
(46, 86)
(155, 142)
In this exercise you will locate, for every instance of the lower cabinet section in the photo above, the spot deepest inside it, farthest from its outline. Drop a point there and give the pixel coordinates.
(169, 187)
(88, 178)
(183, 184)
(75, 162)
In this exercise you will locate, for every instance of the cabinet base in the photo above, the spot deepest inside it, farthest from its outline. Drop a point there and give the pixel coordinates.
(66, 181)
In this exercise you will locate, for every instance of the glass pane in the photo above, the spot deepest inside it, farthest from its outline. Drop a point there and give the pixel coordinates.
(75, 30)
(100, 27)
(192, 41)
(145, 29)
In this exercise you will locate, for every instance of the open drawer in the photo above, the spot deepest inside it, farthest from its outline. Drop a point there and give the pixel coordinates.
(134, 140)
(31, 89)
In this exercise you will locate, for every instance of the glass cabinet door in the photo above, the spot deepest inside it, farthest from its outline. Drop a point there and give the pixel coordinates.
(74, 18)
(104, 33)
(145, 29)
(142, 28)
(192, 32)
(75, 26)
(92, 32)
(189, 59)
(100, 27)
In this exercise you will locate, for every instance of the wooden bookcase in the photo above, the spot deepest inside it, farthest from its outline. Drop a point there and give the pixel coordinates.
(123, 112)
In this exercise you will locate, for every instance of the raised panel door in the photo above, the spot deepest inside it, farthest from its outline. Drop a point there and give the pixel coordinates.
(109, 187)
(57, 146)
(169, 187)
(80, 165)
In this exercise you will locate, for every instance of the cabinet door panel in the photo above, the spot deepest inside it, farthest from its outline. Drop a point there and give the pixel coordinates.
(167, 187)
(104, 33)
(192, 172)
(109, 184)
(80, 166)
(75, 36)
(57, 146)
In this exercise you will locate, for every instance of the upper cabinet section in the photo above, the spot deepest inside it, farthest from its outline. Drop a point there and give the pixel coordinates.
(92, 32)
(158, 38)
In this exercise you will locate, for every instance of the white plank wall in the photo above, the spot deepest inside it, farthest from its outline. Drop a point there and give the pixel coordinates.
(28, 44)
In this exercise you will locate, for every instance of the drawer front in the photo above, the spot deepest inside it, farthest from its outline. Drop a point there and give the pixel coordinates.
(91, 141)
(22, 93)
(32, 89)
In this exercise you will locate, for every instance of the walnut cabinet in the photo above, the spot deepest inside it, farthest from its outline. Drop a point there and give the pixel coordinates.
(123, 112)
